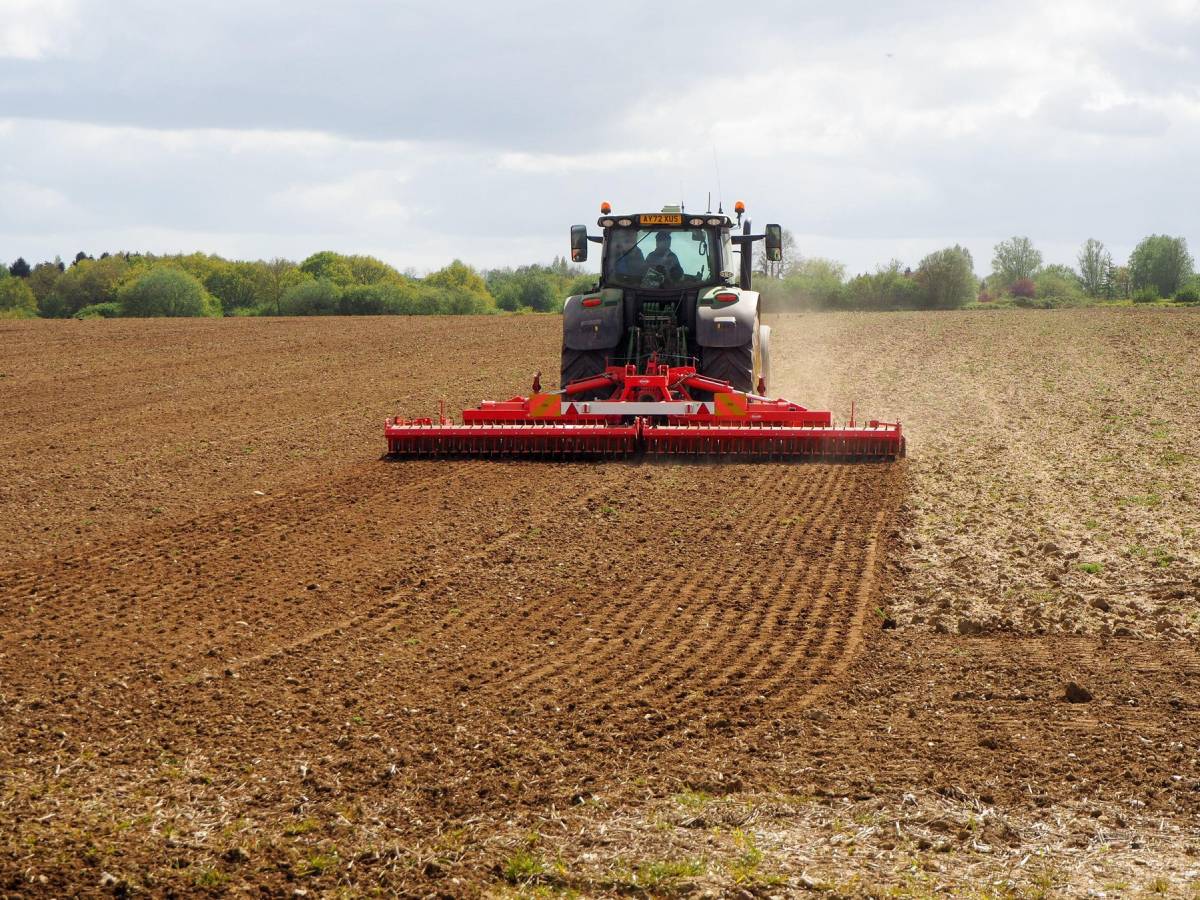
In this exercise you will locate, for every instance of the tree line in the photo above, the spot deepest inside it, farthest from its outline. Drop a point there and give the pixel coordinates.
(326, 283)
(1159, 268)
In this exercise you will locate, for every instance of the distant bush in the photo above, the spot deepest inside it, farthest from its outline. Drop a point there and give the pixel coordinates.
(461, 290)
(1146, 294)
(85, 283)
(529, 288)
(1059, 286)
(167, 291)
(109, 310)
(316, 297)
(16, 298)
(888, 288)
(1024, 287)
(370, 300)
(1188, 294)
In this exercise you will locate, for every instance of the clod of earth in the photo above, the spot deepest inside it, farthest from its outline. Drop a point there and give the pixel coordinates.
(1076, 693)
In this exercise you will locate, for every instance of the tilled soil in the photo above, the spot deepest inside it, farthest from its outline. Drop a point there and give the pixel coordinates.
(242, 651)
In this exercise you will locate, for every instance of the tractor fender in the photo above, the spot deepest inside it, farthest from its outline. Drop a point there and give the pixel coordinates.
(598, 327)
(726, 324)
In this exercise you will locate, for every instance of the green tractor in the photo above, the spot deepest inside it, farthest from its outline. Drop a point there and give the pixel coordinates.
(669, 291)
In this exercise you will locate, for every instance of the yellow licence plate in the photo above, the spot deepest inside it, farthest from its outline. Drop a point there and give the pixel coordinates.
(661, 219)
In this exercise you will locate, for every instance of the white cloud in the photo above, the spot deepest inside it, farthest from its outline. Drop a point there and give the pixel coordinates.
(35, 29)
(567, 163)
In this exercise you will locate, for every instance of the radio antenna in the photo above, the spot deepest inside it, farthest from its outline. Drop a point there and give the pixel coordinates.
(720, 190)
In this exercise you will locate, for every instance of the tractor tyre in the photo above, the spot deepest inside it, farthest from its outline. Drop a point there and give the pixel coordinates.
(740, 366)
(732, 364)
(577, 364)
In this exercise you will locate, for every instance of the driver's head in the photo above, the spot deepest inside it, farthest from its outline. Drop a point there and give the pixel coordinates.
(662, 240)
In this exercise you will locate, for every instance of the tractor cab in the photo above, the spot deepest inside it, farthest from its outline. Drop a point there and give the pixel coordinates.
(667, 256)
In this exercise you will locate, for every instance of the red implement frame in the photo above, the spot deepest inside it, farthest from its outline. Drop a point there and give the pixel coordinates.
(666, 411)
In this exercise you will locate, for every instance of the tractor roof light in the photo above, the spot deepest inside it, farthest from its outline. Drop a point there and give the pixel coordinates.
(739, 207)
(624, 223)
(605, 207)
(696, 221)
(607, 223)
(714, 221)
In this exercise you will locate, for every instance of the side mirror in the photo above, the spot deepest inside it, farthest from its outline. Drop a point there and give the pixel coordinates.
(774, 242)
(579, 242)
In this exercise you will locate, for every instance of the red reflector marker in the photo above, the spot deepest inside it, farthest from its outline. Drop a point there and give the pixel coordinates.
(592, 301)
(725, 298)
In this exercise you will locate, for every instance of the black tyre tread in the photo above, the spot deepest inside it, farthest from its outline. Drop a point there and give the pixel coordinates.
(577, 364)
(732, 364)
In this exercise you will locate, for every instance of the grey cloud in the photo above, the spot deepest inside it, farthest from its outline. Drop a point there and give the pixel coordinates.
(382, 127)
(514, 74)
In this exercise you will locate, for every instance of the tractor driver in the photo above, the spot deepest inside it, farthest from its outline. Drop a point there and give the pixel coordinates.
(663, 258)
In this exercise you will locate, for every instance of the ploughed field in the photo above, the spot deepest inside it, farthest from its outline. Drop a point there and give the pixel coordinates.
(243, 652)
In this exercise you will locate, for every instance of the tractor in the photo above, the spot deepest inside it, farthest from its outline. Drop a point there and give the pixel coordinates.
(671, 289)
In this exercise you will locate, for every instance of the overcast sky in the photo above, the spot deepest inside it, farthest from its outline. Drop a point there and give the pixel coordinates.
(420, 132)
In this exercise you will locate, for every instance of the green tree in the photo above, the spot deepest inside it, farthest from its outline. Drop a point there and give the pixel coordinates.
(279, 276)
(42, 280)
(333, 267)
(1161, 262)
(237, 285)
(540, 288)
(312, 297)
(369, 270)
(163, 290)
(467, 292)
(1094, 263)
(1058, 285)
(16, 299)
(890, 287)
(384, 298)
(19, 269)
(947, 278)
(1118, 283)
(1015, 259)
(87, 282)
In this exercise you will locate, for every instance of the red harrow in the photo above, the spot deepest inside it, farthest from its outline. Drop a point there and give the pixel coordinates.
(665, 411)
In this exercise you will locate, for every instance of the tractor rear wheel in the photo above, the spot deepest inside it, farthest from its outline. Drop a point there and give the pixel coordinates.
(740, 366)
(577, 364)
(732, 364)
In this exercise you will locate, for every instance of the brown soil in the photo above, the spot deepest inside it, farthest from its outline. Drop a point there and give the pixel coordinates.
(243, 652)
